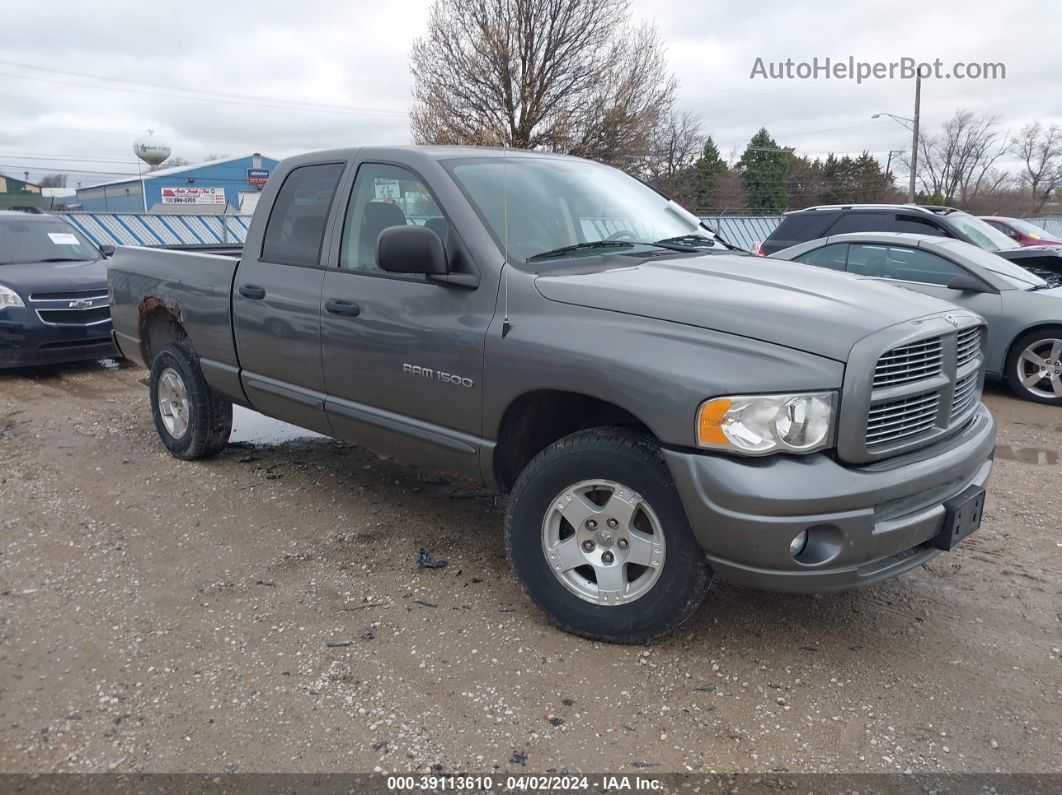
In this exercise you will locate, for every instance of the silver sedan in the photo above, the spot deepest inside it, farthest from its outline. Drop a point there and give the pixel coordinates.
(1023, 311)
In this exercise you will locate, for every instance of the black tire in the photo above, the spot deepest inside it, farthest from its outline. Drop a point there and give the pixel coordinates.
(209, 417)
(1042, 335)
(625, 458)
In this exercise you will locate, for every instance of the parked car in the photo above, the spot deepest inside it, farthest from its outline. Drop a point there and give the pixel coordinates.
(557, 330)
(814, 223)
(53, 293)
(1022, 232)
(1024, 312)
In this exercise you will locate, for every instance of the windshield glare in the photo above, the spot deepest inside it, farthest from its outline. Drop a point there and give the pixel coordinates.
(981, 233)
(35, 241)
(535, 205)
(1030, 230)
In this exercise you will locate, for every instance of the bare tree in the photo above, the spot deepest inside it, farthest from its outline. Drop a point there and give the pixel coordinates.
(215, 156)
(561, 75)
(53, 181)
(667, 164)
(959, 162)
(174, 161)
(1040, 151)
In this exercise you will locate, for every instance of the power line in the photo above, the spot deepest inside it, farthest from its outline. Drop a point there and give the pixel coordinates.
(223, 98)
(64, 158)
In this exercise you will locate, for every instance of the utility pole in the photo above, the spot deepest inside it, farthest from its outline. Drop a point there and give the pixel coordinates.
(914, 136)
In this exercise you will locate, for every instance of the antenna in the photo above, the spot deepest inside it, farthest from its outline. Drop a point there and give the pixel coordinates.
(506, 325)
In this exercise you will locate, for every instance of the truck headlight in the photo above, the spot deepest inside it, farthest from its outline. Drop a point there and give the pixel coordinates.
(763, 424)
(9, 297)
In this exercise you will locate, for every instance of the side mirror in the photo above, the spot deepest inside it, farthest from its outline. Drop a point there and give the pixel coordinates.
(967, 283)
(411, 249)
(107, 251)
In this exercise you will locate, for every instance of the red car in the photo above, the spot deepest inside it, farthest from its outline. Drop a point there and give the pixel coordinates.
(1022, 232)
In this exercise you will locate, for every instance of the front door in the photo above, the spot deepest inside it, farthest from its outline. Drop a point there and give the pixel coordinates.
(403, 355)
(277, 301)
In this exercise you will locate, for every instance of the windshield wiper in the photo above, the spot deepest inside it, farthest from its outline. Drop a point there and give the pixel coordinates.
(556, 252)
(63, 259)
(699, 241)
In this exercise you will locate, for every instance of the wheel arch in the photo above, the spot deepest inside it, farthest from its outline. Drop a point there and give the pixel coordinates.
(536, 419)
(1012, 346)
(159, 325)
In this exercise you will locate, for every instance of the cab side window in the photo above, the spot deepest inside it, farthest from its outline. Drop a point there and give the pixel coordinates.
(296, 226)
(384, 196)
(832, 257)
(899, 262)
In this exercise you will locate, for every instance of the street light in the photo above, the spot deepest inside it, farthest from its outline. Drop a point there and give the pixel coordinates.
(906, 122)
(912, 125)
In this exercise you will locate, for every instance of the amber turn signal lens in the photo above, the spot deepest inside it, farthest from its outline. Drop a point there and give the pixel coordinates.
(710, 422)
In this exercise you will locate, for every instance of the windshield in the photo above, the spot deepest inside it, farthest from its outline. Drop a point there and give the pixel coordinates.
(42, 241)
(981, 233)
(536, 207)
(1030, 230)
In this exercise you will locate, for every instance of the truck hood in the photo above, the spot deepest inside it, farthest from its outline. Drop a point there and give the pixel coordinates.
(798, 306)
(39, 277)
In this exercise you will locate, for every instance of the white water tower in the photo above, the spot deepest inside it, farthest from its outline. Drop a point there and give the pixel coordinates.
(150, 149)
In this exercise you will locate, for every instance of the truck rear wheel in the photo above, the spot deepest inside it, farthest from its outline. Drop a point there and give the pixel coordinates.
(192, 421)
(598, 536)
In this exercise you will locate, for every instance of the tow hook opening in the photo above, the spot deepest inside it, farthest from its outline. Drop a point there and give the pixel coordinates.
(816, 545)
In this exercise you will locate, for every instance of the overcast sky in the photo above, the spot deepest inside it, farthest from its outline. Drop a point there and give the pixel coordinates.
(348, 63)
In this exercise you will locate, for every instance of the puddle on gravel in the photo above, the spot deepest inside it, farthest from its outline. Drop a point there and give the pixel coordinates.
(1040, 456)
(254, 428)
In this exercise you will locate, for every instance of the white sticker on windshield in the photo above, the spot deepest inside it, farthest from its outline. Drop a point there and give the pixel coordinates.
(64, 239)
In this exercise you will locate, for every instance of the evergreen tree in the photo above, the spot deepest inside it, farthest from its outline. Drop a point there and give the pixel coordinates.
(763, 169)
(708, 170)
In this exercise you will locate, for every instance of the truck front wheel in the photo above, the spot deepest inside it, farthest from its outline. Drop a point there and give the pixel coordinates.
(192, 421)
(598, 536)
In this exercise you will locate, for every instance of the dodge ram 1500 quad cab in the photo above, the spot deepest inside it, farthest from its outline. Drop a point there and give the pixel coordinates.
(658, 410)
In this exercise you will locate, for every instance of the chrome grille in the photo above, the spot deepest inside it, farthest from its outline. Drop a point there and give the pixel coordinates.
(908, 363)
(902, 418)
(968, 345)
(965, 395)
(923, 389)
(70, 295)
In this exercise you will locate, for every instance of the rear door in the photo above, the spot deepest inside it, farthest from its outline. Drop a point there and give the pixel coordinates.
(403, 355)
(277, 300)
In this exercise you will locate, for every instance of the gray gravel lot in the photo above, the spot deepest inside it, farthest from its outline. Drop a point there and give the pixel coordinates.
(264, 611)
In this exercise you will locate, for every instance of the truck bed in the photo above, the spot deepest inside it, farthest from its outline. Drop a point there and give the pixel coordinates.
(193, 287)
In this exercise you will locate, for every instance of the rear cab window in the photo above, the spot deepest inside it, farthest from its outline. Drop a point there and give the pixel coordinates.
(295, 231)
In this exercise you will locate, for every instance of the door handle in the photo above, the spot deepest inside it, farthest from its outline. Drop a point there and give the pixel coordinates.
(335, 306)
(252, 291)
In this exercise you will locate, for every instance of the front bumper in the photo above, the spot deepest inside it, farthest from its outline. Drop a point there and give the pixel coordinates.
(24, 342)
(866, 523)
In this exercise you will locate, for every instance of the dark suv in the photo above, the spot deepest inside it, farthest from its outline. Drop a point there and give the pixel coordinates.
(801, 226)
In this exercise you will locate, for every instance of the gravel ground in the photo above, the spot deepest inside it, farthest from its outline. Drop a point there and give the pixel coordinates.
(264, 611)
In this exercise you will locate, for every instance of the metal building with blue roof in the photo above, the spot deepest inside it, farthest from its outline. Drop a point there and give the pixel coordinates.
(229, 185)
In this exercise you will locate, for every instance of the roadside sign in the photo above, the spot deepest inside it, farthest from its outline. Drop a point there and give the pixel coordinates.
(193, 195)
(257, 176)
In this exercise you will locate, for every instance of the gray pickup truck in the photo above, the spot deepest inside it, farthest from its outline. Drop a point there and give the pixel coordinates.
(658, 410)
